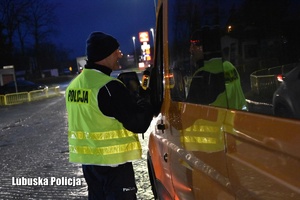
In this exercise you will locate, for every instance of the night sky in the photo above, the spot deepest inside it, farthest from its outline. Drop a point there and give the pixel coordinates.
(119, 18)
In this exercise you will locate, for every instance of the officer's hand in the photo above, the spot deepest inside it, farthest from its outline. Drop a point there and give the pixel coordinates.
(144, 93)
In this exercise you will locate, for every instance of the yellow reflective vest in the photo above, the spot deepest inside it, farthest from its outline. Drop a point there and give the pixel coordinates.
(93, 137)
(207, 135)
(234, 91)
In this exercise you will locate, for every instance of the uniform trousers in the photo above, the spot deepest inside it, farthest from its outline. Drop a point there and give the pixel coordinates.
(110, 183)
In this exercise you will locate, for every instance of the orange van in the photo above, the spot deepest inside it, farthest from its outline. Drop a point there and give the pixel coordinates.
(215, 70)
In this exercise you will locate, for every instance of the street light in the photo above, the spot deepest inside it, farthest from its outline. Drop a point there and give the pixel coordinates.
(135, 59)
(152, 32)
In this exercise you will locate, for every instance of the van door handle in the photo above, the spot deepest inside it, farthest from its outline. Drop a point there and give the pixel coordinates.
(161, 126)
(166, 157)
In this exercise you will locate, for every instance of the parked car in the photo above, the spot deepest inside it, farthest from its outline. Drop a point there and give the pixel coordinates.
(22, 86)
(286, 99)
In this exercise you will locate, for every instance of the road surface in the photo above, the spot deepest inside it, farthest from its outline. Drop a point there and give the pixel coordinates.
(34, 154)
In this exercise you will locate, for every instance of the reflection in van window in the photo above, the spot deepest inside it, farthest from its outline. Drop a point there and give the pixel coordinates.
(223, 55)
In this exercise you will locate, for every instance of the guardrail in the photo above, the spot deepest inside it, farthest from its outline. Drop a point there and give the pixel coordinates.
(263, 84)
(21, 97)
(265, 81)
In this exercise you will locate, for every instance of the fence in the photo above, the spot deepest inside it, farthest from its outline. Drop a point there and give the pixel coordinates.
(16, 98)
(263, 84)
(265, 81)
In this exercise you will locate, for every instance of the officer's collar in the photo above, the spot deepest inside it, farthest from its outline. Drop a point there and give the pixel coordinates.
(101, 68)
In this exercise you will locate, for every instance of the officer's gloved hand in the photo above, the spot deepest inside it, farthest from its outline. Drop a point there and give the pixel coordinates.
(145, 94)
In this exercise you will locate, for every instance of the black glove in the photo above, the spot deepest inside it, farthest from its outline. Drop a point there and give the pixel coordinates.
(144, 93)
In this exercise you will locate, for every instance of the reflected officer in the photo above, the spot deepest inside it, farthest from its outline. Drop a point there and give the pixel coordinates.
(208, 79)
(215, 81)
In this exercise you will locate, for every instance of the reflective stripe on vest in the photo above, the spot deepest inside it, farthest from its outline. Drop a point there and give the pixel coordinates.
(93, 137)
(203, 135)
(204, 138)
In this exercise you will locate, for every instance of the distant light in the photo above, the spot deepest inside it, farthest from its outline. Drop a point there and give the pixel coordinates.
(280, 77)
(144, 36)
(229, 28)
(141, 65)
(145, 46)
(8, 67)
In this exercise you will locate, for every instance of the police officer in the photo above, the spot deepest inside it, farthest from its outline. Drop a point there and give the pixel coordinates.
(102, 121)
(215, 81)
(208, 78)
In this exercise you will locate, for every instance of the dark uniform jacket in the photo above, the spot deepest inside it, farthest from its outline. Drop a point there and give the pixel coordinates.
(115, 100)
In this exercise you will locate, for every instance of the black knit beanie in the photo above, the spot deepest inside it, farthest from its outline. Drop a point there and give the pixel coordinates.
(99, 46)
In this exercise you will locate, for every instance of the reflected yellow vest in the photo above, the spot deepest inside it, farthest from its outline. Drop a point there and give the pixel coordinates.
(233, 96)
(204, 135)
(207, 136)
(215, 66)
(93, 137)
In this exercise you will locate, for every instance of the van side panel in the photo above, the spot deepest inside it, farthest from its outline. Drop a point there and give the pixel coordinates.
(263, 156)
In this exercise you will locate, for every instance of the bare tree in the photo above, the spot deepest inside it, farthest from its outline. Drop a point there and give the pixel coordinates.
(26, 27)
(11, 14)
(42, 22)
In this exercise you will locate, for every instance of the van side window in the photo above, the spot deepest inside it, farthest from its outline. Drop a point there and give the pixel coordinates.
(222, 54)
(195, 57)
(264, 48)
